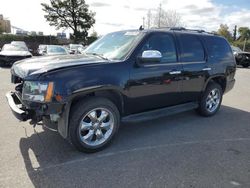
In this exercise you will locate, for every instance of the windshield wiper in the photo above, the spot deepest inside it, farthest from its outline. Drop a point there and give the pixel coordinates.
(99, 55)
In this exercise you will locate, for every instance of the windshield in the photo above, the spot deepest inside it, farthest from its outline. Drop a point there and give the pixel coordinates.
(9, 47)
(56, 49)
(236, 49)
(75, 46)
(114, 46)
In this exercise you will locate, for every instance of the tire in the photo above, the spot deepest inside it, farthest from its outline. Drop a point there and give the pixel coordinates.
(93, 124)
(209, 104)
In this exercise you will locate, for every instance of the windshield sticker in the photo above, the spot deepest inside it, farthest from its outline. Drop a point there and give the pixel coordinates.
(132, 33)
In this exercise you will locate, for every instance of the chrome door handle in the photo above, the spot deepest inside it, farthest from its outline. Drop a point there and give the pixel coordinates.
(207, 69)
(175, 72)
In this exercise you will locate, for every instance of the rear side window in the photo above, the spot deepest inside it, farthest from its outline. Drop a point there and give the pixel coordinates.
(218, 48)
(191, 48)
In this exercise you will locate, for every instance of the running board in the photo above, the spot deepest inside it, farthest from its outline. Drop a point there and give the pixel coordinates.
(155, 114)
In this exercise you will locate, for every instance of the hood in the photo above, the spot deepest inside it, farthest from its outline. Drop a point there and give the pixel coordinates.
(15, 53)
(38, 65)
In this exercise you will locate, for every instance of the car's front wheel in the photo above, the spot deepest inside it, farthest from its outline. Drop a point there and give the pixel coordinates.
(210, 101)
(93, 124)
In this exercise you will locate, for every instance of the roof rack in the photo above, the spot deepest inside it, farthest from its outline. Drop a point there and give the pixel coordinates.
(189, 30)
(184, 29)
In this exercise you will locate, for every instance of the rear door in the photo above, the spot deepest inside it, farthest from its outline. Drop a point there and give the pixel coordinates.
(156, 84)
(195, 67)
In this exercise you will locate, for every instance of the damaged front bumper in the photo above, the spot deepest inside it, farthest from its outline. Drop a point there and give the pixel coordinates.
(17, 107)
(53, 113)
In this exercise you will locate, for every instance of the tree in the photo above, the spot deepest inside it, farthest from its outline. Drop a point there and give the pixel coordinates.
(224, 31)
(73, 14)
(169, 18)
(244, 33)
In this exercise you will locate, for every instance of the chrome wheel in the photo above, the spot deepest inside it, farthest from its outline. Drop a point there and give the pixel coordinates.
(96, 126)
(213, 100)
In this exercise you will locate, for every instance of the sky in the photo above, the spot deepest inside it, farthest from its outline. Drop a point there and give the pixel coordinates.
(113, 15)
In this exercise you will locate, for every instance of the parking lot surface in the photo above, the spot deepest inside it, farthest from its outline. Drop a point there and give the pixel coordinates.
(184, 150)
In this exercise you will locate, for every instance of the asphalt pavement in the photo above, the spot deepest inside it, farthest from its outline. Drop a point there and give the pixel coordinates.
(183, 150)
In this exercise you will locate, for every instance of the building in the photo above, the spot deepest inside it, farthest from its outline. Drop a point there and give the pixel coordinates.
(5, 25)
(61, 35)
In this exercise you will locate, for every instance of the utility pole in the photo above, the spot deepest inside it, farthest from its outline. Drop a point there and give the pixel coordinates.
(149, 15)
(235, 33)
(159, 21)
(143, 22)
(244, 47)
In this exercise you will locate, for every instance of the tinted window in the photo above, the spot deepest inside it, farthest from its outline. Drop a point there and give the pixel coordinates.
(218, 48)
(191, 48)
(164, 43)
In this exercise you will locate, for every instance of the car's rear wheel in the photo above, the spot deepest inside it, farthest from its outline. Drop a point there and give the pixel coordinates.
(93, 124)
(210, 101)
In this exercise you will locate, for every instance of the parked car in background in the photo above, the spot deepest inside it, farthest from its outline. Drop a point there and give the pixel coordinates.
(50, 50)
(19, 43)
(75, 48)
(242, 58)
(12, 53)
(41, 49)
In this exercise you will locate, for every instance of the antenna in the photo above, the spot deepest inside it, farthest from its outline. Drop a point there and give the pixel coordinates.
(141, 28)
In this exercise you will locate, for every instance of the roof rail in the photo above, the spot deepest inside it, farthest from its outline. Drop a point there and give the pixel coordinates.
(190, 30)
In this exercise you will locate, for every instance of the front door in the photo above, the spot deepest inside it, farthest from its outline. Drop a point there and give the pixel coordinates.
(155, 85)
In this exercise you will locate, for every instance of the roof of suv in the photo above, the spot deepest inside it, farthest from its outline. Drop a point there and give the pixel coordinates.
(174, 29)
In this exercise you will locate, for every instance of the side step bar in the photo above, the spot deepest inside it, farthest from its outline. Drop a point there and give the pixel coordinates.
(155, 114)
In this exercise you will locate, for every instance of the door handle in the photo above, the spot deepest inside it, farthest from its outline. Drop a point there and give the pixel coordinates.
(175, 72)
(206, 69)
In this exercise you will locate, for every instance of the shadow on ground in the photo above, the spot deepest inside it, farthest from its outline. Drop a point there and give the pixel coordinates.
(46, 150)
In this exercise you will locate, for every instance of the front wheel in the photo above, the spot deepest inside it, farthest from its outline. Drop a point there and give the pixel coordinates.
(211, 100)
(93, 124)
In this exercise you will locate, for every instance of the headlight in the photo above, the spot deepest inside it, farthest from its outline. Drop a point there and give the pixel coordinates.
(37, 91)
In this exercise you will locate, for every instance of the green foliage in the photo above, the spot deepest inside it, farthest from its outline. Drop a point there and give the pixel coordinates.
(240, 44)
(244, 33)
(224, 31)
(72, 14)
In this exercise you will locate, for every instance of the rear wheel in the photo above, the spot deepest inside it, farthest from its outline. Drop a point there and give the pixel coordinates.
(93, 124)
(211, 100)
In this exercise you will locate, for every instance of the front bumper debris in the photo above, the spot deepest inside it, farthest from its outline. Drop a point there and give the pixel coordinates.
(16, 107)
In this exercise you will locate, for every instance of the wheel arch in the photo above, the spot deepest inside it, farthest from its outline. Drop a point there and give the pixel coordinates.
(113, 94)
(219, 79)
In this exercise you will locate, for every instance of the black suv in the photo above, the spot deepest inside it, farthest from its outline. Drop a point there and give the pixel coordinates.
(132, 75)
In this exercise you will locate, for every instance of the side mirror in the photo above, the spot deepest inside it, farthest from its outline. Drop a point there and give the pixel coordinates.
(151, 56)
(30, 50)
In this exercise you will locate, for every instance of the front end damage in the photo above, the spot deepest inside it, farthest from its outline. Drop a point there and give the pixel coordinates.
(50, 114)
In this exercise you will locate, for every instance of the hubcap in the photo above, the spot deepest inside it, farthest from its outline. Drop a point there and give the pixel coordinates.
(213, 100)
(96, 126)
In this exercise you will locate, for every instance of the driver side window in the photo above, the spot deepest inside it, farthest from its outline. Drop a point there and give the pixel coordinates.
(163, 43)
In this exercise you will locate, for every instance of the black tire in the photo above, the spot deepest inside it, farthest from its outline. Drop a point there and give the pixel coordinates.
(203, 109)
(79, 111)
